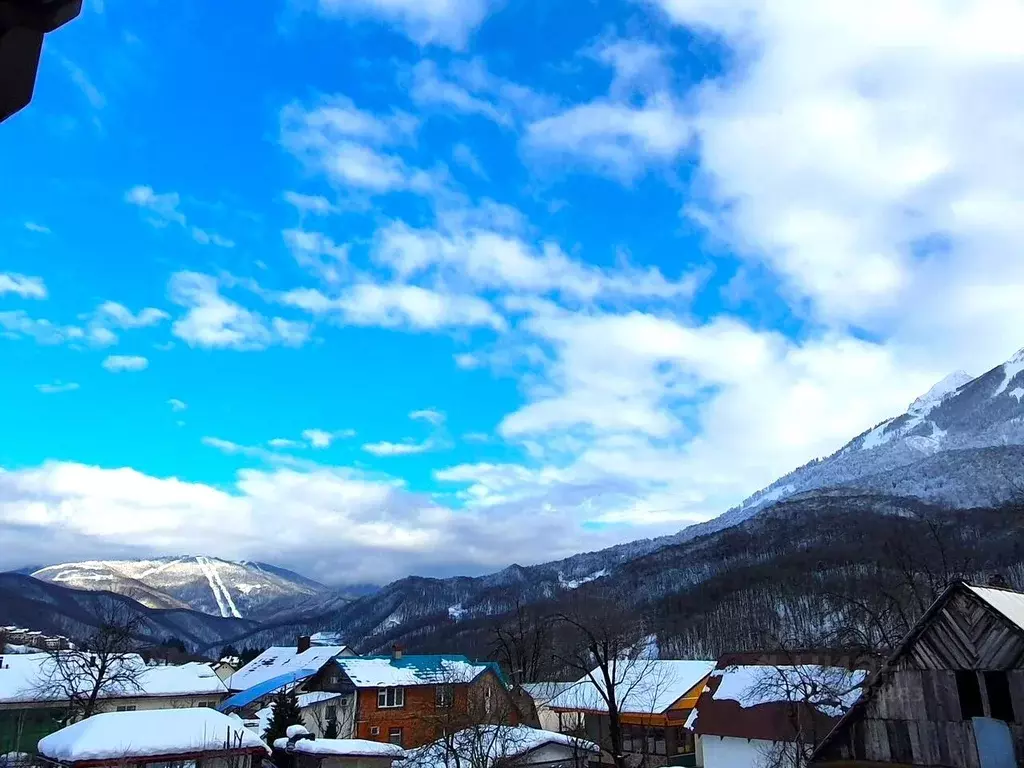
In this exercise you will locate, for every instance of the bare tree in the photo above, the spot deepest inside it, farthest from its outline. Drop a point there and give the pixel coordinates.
(609, 651)
(103, 665)
(522, 644)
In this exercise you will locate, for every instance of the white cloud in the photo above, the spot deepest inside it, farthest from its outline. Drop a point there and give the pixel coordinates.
(398, 306)
(321, 438)
(429, 415)
(18, 323)
(39, 229)
(65, 511)
(214, 321)
(483, 256)
(22, 285)
(426, 22)
(164, 209)
(467, 361)
(57, 387)
(122, 317)
(123, 363)
(177, 405)
(844, 176)
(616, 139)
(430, 88)
(283, 442)
(336, 138)
(385, 448)
(315, 204)
(466, 157)
(318, 253)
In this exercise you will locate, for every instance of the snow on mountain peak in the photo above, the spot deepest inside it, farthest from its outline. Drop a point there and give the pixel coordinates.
(937, 393)
(1011, 368)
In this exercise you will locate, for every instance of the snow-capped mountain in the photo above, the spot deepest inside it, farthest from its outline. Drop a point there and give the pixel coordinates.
(930, 452)
(206, 584)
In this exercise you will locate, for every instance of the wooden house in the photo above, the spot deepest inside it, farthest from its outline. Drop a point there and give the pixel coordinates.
(952, 694)
(654, 699)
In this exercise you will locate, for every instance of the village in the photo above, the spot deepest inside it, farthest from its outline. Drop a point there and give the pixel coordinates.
(950, 694)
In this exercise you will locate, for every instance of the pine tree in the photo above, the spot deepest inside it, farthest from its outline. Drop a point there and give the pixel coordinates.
(285, 712)
(331, 731)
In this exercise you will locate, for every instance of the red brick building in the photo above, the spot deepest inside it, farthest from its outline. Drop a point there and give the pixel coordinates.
(413, 700)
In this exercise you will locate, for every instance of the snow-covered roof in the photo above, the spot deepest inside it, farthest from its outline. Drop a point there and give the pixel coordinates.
(1009, 604)
(542, 693)
(304, 699)
(831, 690)
(386, 671)
(24, 679)
(487, 745)
(642, 686)
(116, 736)
(278, 661)
(343, 748)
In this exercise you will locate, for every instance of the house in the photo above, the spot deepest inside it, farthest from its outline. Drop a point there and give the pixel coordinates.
(951, 694)
(506, 746)
(654, 699)
(225, 668)
(307, 752)
(411, 700)
(542, 694)
(302, 661)
(203, 738)
(762, 709)
(318, 708)
(29, 710)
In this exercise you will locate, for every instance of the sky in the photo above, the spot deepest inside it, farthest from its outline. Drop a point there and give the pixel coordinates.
(369, 288)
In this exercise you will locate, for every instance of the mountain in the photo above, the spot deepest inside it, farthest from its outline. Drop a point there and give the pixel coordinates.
(56, 609)
(959, 446)
(207, 584)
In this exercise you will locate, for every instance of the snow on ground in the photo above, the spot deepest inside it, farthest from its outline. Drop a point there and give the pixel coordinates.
(752, 685)
(456, 612)
(1018, 393)
(148, 733)
(577, 583)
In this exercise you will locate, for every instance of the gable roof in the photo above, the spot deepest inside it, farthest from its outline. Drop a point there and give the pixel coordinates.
(278, 661)
(1006, 603)
(23, 679)
(746, 699)
(643, 687)
(387, 671)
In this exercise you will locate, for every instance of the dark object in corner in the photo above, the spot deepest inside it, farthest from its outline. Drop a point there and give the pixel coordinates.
(22, 26)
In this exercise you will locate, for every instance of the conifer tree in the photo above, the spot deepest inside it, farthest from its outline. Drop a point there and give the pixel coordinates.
(285, 712)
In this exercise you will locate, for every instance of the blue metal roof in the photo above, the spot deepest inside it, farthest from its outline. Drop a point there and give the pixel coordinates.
(428, 666)
(249, 695)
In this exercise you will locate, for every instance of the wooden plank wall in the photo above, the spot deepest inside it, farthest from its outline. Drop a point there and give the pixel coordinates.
(913, 716)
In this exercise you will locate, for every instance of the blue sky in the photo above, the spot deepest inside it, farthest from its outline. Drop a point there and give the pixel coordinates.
(373, 287)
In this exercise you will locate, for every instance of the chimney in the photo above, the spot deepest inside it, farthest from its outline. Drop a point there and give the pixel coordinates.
(302, 643)
(396, 652)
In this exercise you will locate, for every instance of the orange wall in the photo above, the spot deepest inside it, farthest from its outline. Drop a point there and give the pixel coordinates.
(421, 720)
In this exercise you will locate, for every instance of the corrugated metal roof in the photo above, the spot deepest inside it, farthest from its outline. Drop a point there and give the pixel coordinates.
(265, 688)
(385, 671)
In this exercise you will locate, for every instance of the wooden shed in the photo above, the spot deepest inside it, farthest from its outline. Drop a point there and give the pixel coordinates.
(952, 694)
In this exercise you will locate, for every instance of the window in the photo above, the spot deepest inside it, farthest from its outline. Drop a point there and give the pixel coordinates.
(487, 700)
(126, 708)
(207, 704)
(331, 713)
(444, 696)
(395, 736)
(969, 691)
(375, 730)
(390, 697)
(1000, 705)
